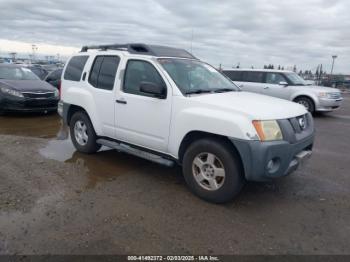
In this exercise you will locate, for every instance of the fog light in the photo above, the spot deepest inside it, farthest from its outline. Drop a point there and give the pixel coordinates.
(273, 165)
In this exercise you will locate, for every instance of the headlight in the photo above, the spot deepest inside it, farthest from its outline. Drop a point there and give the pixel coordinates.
(324, 95)
(11, 92)
(57, 93)
(268, 130)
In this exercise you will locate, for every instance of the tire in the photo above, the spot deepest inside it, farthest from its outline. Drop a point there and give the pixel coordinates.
(307, 103)
(83, 134)
(207, 160)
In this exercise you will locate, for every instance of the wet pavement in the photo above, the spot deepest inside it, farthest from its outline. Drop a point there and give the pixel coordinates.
(54, 200)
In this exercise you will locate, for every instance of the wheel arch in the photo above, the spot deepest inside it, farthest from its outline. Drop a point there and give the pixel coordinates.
(196, 135)
(305, 96)
(73, 109)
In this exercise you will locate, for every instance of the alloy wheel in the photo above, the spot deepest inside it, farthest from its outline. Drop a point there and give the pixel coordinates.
(208, 171)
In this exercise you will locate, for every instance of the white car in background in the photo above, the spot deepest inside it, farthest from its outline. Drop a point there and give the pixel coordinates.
(286, 85)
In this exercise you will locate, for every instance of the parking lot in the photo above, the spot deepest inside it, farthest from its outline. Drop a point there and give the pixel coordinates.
(54, 200)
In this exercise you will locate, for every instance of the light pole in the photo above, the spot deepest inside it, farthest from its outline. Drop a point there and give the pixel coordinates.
(34, 49)
(333, 57)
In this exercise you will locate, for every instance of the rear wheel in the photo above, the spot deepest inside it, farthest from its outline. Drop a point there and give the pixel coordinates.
(307, 103)
(83, 134)
(212, 170)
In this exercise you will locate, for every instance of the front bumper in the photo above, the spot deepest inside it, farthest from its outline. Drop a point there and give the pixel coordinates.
(266, 160)
(263, 161)
(327, 104)
(28, 105)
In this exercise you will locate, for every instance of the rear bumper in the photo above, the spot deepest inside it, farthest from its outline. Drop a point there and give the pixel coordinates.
(263, 161)
(28, 105)
(326, 105)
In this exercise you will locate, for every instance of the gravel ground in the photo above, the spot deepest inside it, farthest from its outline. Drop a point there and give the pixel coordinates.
(54, 200)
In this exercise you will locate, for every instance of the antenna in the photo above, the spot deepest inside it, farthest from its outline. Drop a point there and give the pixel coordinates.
(191, 40)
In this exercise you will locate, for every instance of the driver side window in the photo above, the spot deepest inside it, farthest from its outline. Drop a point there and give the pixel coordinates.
(138, 71)
(274, 78)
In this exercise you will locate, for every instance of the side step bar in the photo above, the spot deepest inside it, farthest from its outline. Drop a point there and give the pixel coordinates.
(121, 147)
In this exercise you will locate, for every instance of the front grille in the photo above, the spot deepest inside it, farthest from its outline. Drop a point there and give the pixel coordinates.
(297, 128)
(335, 95)
(40, 103)
(38, 95)
(299, 123)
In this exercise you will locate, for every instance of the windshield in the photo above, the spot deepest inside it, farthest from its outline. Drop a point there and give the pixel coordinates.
(192, 76)
(17, 73)
(295, 79)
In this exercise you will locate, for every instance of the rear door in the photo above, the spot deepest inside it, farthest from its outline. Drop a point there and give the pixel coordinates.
(101, 81)
(273, 87)
(252, 81)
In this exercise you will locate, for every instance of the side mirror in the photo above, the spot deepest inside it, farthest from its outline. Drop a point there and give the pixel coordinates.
(282, 83)
(154, 89)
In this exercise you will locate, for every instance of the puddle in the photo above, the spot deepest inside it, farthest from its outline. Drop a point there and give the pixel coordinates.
(38, 125)
(105, 165)
(60, 150)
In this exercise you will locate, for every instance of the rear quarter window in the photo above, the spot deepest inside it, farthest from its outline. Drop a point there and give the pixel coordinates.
(75, 68)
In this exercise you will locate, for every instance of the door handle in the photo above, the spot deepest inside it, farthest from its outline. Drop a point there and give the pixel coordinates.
(266, 87)
(121, 102)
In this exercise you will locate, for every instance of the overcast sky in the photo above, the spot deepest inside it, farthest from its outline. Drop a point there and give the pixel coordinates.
(249, 32)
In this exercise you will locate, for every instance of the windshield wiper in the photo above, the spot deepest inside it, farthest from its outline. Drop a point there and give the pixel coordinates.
(223, 90)
(198, 91)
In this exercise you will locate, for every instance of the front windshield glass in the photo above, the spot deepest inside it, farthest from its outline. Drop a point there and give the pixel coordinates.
(295, 79)
(192, 76)
(16, 73)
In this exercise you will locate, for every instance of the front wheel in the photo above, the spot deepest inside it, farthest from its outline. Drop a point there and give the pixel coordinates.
(83, 134)
(307, 103)
(212, 170)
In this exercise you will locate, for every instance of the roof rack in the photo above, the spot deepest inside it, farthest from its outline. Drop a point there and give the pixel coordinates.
(143, 49)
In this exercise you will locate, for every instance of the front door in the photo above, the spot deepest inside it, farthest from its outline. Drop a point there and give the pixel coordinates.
(273, 86)
(142, 119)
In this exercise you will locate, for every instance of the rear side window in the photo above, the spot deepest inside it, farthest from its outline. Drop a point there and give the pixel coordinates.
(95, 71)
(234, 75)
(103, 72)
(75, 68)
(255, 77)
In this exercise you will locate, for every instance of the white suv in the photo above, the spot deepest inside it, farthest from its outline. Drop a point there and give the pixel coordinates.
(286, 85)
(164, 105)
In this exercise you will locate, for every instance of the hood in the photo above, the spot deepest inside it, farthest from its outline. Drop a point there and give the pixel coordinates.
(320, 89)
(257, 107)
(27, 85)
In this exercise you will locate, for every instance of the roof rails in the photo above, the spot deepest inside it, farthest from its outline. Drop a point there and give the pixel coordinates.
(142, 49)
